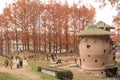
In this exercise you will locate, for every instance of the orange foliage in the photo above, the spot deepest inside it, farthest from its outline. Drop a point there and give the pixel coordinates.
(52, 25)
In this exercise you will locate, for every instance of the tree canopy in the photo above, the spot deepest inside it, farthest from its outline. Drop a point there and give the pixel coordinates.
(33, 25)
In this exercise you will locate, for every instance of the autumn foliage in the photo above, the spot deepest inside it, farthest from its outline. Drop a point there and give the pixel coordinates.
(33, 25)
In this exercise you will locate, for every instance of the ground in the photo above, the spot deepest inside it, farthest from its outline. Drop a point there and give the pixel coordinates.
(25, 74)
(21, 72)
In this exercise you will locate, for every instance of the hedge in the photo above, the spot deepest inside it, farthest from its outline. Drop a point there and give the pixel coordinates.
(39, 69)
(64, 75)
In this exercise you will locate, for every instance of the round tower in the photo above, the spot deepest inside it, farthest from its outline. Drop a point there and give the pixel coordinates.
(96, 49)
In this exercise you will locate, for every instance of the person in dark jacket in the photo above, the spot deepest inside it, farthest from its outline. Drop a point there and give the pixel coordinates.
(21, 63)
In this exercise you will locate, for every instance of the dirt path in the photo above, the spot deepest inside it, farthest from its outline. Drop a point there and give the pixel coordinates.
(21, 72)
(79, 75)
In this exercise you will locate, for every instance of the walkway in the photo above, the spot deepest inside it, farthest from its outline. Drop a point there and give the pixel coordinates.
(21, 72)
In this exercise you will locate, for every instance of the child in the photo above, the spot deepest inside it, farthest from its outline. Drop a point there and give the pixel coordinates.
(11, 64)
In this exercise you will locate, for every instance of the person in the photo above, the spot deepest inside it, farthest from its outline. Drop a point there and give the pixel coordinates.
(11, 57)
(115, 48)
(18, 65)
(20, 50)
(52, 56)
(6, 63)
(16, 57)
(47, 57)
(59, 61)
(75, 61)
(21, 63)
(11, 64)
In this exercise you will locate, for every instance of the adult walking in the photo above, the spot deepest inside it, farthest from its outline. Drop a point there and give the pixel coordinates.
(21, 63)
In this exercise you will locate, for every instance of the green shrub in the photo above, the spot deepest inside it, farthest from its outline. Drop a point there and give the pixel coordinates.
(64, 75)
(39, 69)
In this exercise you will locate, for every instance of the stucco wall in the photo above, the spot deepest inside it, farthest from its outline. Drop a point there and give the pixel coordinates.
(96, 52)
(52, 73)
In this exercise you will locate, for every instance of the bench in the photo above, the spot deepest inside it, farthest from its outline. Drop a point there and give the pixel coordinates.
(61, 74)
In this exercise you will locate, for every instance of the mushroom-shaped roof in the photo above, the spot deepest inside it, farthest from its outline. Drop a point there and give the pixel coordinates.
(93, 30)
(103, 25)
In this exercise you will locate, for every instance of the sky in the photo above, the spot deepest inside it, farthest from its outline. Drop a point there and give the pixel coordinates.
(106, 14)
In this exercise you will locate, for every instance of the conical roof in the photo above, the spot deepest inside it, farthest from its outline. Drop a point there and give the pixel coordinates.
(103, 25)
(93, 30)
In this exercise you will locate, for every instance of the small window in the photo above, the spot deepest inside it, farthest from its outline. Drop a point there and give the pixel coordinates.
(104, 50)
(113, 57)
(95, 60)
(88, 55)
(103, 63)
(88, 46)
(84, 60)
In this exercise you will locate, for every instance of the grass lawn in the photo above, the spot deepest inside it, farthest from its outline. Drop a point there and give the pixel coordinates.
(2, 58)
(8, 76)
(33, 68)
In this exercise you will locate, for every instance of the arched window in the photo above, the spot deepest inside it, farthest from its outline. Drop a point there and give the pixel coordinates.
(113, 57)
(104, 50)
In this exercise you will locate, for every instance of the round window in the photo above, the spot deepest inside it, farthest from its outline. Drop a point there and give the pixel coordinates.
(95, 60)
(88, 46)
